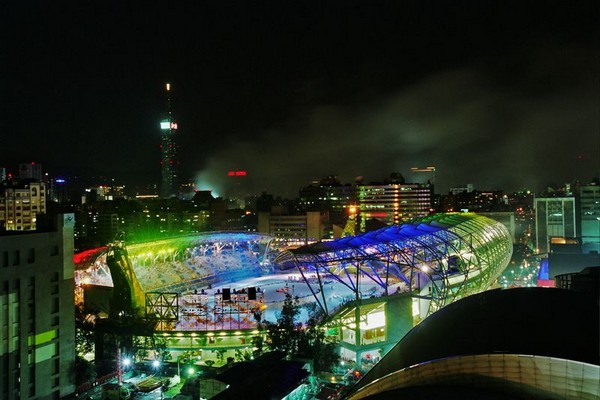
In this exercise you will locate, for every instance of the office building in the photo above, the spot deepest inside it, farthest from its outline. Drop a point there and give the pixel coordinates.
(469, 188)
(37, 314)
(20, 204)
(554, 216)
(30, 171)
(301, 229)
(393, 203)
(589, 213)
(327, 194)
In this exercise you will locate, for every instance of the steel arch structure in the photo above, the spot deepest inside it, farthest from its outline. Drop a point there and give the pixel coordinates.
(439, 258)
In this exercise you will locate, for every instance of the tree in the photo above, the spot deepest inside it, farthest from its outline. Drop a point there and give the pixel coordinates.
(84, 339)
(308, 341)
(160, 348)
(221, 355)
(315, 344)
(244, 355)
(257, 342)
(284, 335)
(322, 350)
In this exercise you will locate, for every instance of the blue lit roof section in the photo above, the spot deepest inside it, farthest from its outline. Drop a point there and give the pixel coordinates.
(439, 258)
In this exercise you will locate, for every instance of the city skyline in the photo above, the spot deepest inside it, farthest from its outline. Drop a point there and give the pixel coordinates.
(502, 96)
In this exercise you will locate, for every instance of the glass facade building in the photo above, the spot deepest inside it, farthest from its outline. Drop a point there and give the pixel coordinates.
(554, 216)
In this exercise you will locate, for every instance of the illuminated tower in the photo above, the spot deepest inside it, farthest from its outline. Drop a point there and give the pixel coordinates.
(168, 150)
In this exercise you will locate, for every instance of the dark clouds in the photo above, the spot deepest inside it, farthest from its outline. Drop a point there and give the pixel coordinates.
(502, 95)
(539, 128)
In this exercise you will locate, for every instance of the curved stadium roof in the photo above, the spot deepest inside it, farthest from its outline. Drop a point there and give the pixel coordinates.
(449, 255)
(511, 344)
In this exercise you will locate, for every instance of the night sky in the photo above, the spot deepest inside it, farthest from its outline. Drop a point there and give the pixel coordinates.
(501, 94)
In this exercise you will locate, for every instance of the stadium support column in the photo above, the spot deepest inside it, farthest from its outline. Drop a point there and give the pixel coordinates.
(357, 340)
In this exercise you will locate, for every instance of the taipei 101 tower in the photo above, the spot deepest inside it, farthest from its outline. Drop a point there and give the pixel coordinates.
(168, 150)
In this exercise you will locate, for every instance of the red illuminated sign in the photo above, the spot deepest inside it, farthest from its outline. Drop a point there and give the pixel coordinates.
(236, 173)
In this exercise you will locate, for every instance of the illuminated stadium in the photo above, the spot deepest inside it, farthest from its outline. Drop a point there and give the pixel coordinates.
(399, 275)
(169, 279)
(373, 287)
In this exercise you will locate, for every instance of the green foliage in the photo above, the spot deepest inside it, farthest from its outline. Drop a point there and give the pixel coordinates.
(284, 335)
(189, 356)
(221, 355)
(308, 341)
(245, 355)
(160, 347)
(319, 348)
(139, 347)
(84, 340)
(258, 344)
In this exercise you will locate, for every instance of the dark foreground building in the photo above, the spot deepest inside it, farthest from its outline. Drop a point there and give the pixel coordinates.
(526, 343)
(37, 314)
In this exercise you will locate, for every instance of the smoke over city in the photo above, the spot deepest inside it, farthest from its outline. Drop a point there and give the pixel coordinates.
(503, 95)
(497, 129)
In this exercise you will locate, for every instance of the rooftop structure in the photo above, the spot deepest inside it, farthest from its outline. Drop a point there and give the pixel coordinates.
(442, 257)
(397, 276)
(164, 277)
(492, 346)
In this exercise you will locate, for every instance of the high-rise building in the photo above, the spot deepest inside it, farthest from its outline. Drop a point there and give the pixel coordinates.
(168, 150)
(303, 229)
(394, 202)
(589, 206)
(37, 312)
(30, 171)
(327, 194)
(554, 216)
(20, 203)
